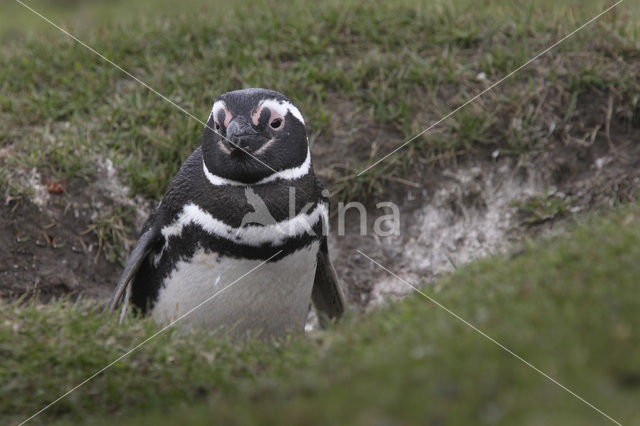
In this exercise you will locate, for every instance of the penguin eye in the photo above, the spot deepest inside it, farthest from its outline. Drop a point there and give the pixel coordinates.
(217, 126)
(276, 123)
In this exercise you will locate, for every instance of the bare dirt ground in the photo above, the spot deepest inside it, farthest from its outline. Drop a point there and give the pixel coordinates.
(485, 205)
(59, 241)
(42, 254)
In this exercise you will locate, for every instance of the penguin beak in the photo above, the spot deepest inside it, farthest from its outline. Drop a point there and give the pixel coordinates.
(243, 136)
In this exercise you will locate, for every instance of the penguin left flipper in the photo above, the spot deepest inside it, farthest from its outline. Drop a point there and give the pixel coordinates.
(144, 245)
(326, 294)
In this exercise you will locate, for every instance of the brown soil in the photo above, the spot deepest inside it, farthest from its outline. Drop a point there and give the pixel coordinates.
(55, 250)
(474, 212)
(469, 208)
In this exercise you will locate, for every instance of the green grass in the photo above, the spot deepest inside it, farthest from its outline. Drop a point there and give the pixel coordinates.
(567, 305)
(356, 69)
(540, 208)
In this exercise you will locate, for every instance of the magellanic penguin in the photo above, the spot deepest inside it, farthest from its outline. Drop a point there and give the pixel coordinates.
(247, 194)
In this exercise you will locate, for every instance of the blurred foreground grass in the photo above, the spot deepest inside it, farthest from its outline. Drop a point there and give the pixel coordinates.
(568, 305)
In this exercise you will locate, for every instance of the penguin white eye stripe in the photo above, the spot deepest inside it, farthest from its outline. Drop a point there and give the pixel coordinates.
(221, 106)
(282, 108)
(217, 106)
(275, 117)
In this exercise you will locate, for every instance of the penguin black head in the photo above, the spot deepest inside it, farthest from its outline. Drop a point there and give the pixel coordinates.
(257, 132)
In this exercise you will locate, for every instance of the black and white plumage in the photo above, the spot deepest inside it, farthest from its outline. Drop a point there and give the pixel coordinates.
(203, 235)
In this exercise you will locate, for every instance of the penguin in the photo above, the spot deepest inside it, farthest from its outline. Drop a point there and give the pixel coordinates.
(245, 206)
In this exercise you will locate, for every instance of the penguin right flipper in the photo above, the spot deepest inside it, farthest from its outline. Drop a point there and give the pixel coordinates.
(326, 294)
(140, 252)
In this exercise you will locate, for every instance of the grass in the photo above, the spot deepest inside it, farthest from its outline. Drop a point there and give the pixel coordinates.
(366, 77)
(356, 69)
(540, 208)
(565, 305)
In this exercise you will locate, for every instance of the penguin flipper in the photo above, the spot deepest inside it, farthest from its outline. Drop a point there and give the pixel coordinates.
(138, 255)
(326, 294)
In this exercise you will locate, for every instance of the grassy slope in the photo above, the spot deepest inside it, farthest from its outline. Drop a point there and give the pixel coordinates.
(568, 305)
(356, 70)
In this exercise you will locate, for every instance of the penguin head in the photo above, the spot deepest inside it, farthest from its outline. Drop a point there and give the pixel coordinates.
(258, 132)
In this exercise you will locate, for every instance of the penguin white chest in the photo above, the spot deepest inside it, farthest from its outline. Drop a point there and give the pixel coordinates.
(271, 300)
